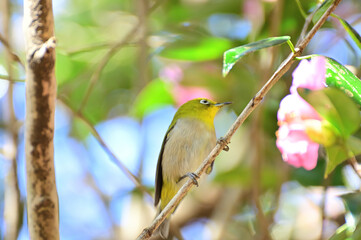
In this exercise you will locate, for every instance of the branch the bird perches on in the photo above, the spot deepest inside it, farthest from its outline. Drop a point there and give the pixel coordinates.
(256, 100)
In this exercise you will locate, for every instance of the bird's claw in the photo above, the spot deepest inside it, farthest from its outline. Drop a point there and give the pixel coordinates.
(221, 140)
(192, 176)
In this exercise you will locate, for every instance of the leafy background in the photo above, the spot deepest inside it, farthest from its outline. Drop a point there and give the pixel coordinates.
(130, 103)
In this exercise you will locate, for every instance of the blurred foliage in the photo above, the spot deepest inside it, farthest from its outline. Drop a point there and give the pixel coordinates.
(252, 192)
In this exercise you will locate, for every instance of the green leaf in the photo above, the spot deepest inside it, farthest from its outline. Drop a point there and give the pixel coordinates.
(340, 77)
(357, 233)
(353, 203)
(321, 10)
(350, 30)
(231, 56)
(343, 114)
(208, 48)
(335, 107)
(342, 233)
(154, 96)
(336, 155)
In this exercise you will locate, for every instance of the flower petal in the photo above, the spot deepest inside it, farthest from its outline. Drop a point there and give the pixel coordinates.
(310, 74)
(295, 108)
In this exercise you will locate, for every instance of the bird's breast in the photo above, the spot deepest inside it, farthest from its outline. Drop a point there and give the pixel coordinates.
(188, 144)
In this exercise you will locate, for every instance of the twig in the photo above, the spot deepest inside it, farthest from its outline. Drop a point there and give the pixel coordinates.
(11, 79)
(94, 47)
(12, 203)
(282, 69)
(303, 13)
(13, 56)
(308, 20)
(103, 62)
(114, 158)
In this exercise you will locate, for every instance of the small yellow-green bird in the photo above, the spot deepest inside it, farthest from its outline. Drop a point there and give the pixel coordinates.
(188, 141)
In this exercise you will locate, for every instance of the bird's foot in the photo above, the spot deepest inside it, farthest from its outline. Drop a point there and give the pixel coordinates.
(192, 176)
(221, 140)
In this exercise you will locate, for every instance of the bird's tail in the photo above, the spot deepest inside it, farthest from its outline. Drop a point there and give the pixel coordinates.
(163, 229)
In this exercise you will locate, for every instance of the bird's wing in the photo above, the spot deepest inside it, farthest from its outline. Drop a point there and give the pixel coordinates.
(159, 172)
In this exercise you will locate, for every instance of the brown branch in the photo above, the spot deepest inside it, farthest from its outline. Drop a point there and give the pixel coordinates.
(282, 69)
(114, 158)
(12, 204)
(42, 197)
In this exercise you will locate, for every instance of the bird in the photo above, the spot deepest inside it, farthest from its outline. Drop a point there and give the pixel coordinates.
(188, 141)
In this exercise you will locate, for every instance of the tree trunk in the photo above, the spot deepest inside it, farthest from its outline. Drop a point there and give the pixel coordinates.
(42, 198)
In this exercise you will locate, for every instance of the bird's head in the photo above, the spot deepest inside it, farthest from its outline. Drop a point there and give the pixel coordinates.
(202, 109)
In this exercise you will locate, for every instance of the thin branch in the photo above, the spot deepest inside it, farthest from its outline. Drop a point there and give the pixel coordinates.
(13, 56)
(94, 47)
(283, 68)
(303, 13)
(103, 62)
(12, 204)
(114, 158)
(307, 23)
(11, 79)
(114, 49)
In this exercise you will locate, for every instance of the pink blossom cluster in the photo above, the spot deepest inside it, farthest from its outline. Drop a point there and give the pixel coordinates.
(295, 115)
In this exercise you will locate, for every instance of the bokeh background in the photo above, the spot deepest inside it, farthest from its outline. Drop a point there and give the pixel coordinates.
(122, 69)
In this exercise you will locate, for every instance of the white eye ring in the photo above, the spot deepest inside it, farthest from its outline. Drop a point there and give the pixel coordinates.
(204, 101)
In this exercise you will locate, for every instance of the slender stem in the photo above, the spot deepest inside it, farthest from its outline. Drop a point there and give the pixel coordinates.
(303, 13)
(11, 79)
(290, 44)
(282, 69)
(12, 204)
(306, 25)
(306, 57)
(12, 55)
(104, 61)
(114, 158)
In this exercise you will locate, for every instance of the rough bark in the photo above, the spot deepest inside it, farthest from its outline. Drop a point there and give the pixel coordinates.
(42, 199)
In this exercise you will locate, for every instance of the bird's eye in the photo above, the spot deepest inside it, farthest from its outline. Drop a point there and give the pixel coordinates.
(204, 101)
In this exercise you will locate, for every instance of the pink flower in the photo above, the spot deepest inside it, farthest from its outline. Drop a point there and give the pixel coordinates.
(309, 74)
(296, 147)
(296, 116)
(292, 140)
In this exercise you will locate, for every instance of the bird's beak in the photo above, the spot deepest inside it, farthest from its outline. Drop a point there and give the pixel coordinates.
(221, 104)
